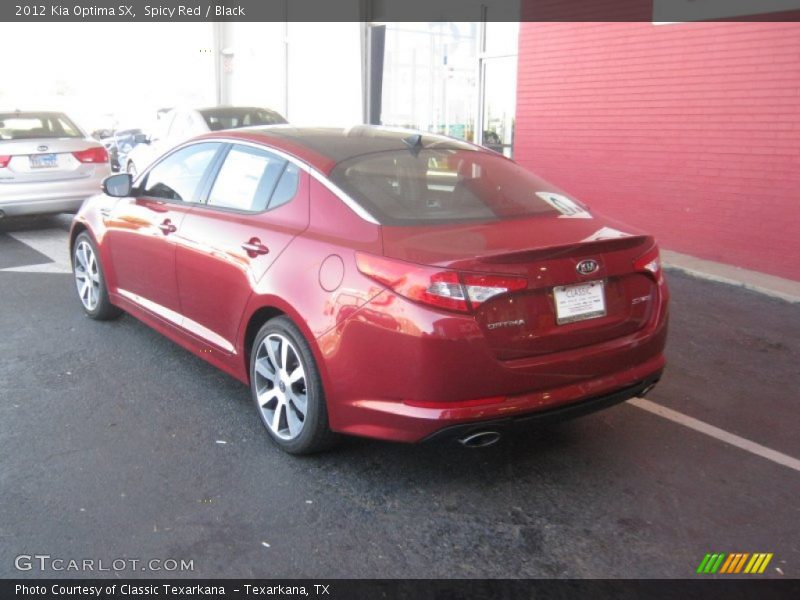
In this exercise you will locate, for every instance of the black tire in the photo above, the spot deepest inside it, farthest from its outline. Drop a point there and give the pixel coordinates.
(102, 310)
(315, 434)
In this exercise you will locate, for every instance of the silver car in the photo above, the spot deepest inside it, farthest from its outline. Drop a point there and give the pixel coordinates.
(47, 164)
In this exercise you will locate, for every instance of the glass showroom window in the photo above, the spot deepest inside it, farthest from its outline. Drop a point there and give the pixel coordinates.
(430, 80)
(459, 79)
(498, 85)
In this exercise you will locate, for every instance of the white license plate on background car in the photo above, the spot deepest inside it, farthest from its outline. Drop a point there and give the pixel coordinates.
(579, 302)
(43, 161)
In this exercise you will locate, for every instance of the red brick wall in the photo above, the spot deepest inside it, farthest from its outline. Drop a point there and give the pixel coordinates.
(690, 131)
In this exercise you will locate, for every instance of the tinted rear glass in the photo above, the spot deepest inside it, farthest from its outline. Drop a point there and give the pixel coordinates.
(440, 186)
(28, 126)
(233, 118)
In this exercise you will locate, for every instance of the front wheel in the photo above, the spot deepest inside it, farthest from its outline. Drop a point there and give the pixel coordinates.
(90, 281)
(287, 389)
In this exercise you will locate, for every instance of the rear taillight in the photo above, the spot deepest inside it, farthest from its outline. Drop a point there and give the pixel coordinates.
(446, 289)
(92, 155)
(650, 262)
(4, 160)
(481, 288)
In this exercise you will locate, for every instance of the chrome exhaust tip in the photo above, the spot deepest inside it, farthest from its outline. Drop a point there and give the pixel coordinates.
(480, 439)
(646, 390)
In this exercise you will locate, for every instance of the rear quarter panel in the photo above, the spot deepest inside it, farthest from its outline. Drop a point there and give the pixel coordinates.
(323, 255)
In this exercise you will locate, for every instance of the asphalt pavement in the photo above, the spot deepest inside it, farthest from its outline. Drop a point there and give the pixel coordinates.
(117, 444)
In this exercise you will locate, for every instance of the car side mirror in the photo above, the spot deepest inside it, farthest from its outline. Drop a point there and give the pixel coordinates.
(119, 185)
(141, 138)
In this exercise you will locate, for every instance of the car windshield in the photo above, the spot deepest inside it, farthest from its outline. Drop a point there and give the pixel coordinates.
(26, 126)
(440, 186)
(233, 118)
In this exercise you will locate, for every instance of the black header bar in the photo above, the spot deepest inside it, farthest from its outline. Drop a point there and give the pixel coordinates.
(398, 10)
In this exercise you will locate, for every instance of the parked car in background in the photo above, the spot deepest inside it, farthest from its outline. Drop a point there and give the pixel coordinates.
(47, 164)
(118, 143)
(357, 289)
(101, 134)
(180, 124)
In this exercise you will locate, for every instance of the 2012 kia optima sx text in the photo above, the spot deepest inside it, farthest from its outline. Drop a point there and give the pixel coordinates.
(375, 282)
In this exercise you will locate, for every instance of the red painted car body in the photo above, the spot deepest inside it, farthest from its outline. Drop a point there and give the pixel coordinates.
(392, 367)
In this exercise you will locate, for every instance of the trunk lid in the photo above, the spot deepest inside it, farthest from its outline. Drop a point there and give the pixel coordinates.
(546, 250)
(45, 159)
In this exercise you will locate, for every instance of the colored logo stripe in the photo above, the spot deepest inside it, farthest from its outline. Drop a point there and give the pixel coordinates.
(710, 563)
(732, 558)
(734, 563)
(758, 563)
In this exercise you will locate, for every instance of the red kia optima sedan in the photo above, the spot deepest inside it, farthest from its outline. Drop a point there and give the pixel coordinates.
(377, 282)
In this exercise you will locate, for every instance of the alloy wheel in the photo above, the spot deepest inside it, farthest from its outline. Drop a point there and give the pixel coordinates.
(280, 383)
(87, 275)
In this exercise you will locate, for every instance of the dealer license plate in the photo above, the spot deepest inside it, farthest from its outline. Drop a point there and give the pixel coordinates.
(579, 302)
(43, 161)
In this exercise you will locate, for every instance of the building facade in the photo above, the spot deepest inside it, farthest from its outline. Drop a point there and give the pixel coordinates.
(688, 130)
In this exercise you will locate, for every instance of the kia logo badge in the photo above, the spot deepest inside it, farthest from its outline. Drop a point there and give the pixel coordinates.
(587, 267)
(42, 148)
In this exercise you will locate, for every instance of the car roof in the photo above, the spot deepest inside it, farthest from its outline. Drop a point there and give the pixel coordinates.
(232, 107)
(325, 147)
(28, 113)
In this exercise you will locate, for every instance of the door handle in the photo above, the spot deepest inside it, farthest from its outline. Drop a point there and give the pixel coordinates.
(254, 247)
(167, 227)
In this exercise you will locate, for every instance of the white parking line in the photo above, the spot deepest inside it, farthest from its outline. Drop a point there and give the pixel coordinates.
(50, 242)
(716, 432)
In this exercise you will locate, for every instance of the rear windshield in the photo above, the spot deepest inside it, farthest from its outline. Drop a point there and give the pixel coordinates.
(27, 126)
(233, 118)
(440, 186)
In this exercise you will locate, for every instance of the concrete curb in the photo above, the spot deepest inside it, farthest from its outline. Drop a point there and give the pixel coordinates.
(770, 285)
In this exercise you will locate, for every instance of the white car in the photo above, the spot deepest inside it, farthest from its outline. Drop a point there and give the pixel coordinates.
(180, 124)
(47, 164)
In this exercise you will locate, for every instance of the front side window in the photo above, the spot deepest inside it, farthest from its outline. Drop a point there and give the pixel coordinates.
(247, 179)
(178, 176)
(440, 186)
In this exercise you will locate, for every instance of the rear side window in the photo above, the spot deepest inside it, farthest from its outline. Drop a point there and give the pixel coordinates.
(26, 126)
(178, 176)
(287, 186)
(247, 179)
(440, 186)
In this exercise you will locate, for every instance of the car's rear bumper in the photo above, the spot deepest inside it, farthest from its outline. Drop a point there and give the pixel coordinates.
(551, 415)
(35, 198)
(41, 206)
(415, 421)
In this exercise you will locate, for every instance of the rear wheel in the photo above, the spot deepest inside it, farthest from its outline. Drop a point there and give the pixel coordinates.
(287, 389)
(90, 281)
